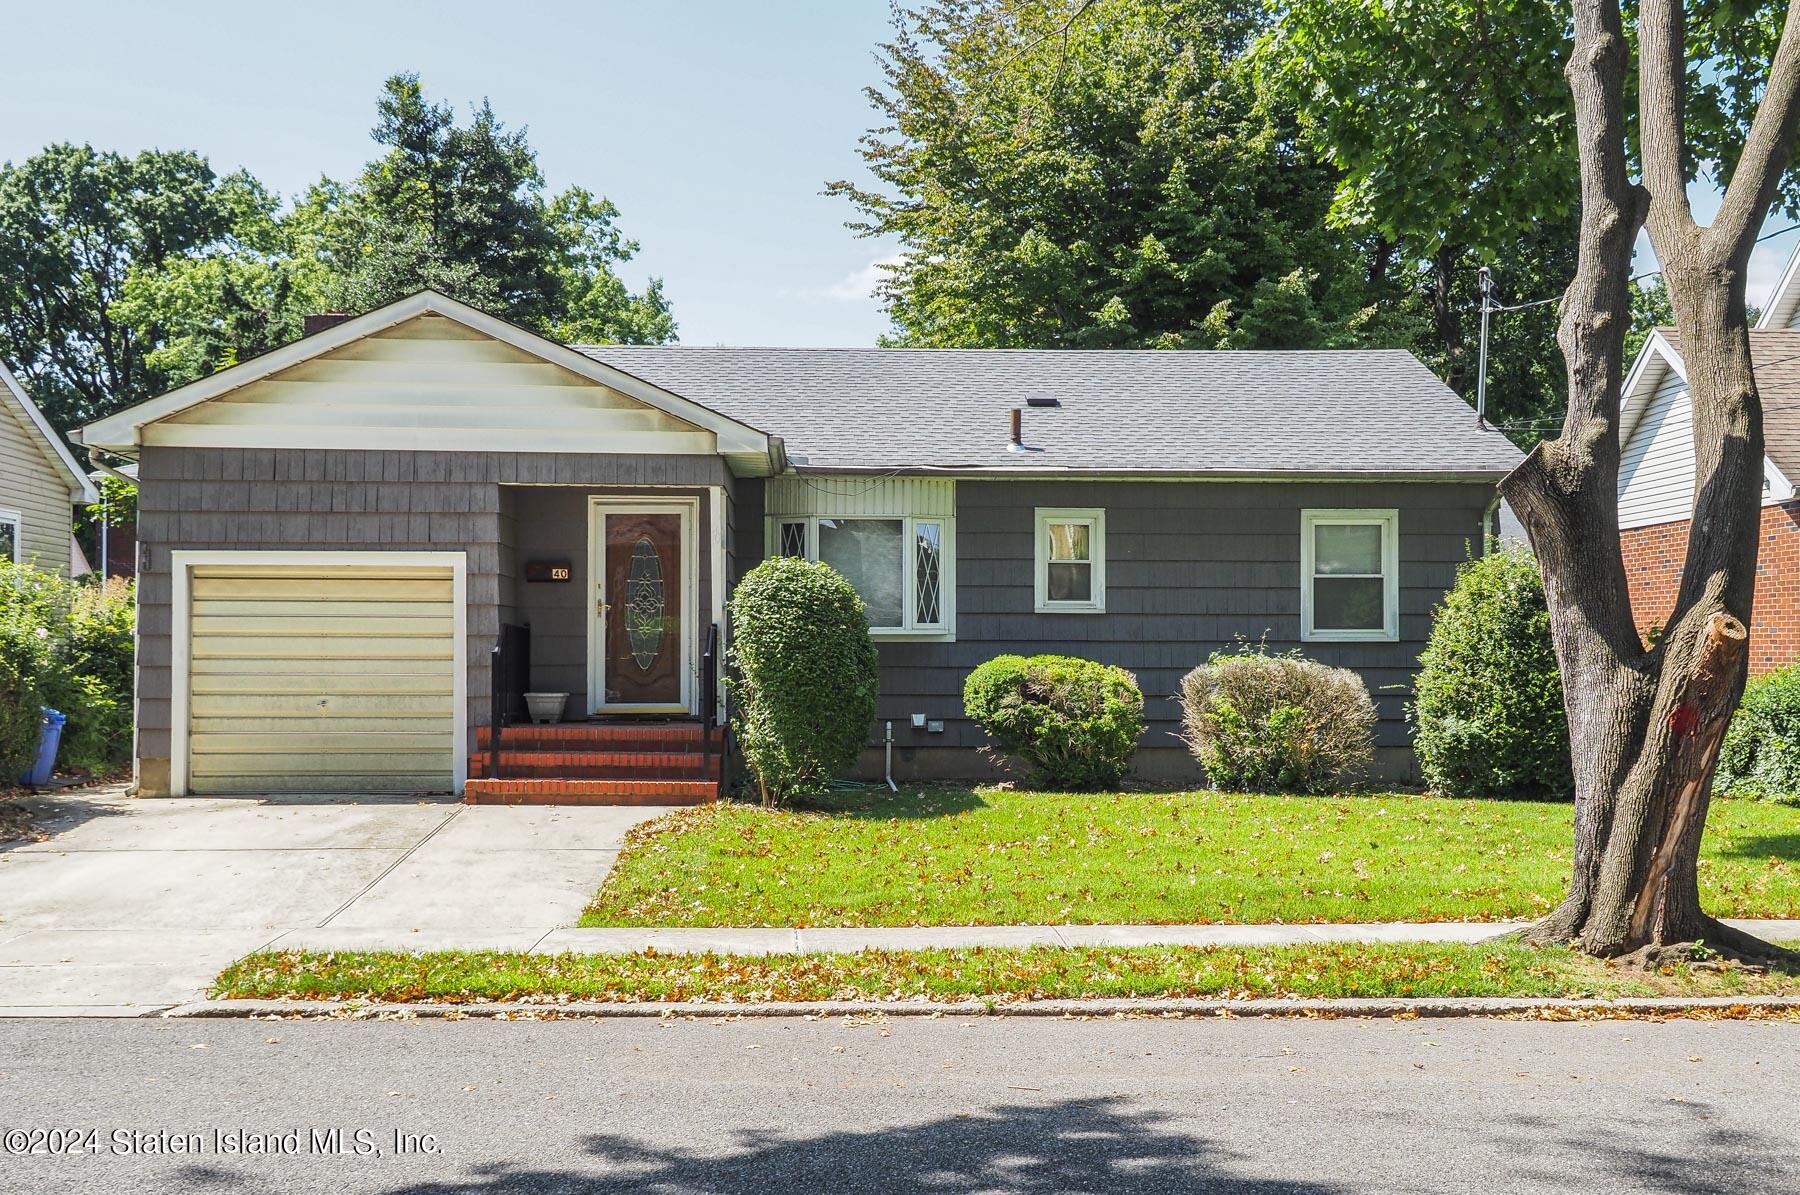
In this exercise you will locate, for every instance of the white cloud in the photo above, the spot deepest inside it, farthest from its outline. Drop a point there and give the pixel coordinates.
(855, 287)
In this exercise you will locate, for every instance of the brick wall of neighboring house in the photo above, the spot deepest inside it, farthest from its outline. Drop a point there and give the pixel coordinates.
(1653, 557)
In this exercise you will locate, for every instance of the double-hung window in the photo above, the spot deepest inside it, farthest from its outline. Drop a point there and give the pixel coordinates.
(900, 566)
(1349, 575)
(12, 535)
(1070, 561)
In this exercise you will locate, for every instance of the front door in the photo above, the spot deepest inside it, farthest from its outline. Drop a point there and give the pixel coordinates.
(640, 607)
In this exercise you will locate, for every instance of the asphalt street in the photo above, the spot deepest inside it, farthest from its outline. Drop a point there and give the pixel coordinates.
(1270, 1107)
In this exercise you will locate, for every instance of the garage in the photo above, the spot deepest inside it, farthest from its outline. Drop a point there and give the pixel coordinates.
(320, 677)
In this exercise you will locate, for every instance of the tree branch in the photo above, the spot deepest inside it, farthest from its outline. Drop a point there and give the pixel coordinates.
(1766, 152)
(1662, 107)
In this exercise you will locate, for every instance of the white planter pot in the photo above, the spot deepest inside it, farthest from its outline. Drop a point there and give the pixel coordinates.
(546, 707)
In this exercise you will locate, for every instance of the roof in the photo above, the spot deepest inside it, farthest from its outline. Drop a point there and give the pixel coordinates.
(1775, 356)
(39, 429)
(1335, 412)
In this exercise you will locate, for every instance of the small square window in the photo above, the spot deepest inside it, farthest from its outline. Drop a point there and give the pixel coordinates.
(1349, 575)
(1071, 561)
(11, 535)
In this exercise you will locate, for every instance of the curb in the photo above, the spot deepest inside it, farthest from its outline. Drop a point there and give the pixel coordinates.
(1453, 1007)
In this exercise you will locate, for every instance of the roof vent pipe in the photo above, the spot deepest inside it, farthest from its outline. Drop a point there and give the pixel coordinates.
(1016, 441)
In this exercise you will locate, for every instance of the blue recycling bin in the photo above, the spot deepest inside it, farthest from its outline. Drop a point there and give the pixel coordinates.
(49, 738)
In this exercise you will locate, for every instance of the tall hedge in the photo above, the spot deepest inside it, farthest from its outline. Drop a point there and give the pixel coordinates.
(68, 645)
(806, 675)
(1761, 753)
(1488, 712)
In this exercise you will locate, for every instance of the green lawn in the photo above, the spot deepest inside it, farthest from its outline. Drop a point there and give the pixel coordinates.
(1489, 969)
(997, 857)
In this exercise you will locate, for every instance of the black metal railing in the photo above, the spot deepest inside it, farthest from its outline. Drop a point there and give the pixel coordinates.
(710, 668)
(508, 678)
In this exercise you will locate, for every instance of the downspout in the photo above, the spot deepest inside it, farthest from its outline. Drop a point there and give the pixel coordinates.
(1490, 524)
(889, 775)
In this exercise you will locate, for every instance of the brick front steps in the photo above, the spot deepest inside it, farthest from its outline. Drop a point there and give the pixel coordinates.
(597, 763)
(508, 791)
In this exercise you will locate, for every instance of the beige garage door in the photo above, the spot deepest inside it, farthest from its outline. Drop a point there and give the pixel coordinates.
(335, 679)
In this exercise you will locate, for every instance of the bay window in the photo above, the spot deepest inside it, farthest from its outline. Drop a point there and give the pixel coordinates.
(900, 566)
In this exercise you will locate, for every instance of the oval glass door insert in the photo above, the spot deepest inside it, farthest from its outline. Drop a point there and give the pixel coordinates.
(644, 605)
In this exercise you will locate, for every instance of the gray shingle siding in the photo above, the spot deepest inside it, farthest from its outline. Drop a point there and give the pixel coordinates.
(312, 499)
(1190, 567)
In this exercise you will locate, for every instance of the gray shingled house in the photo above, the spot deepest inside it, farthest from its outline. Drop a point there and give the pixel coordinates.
(358, 551)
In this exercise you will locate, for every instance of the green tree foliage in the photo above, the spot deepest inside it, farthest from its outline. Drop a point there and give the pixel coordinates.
(462, 209)
(121, 276)
(806, 675)
(1107, 174)
(1488, 711)
(74, 223)
(1074, 723)
(1451, 126)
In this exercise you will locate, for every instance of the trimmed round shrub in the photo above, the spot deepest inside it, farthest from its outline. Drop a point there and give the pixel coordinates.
(1761, 753)
(1074, 723)
(806, 681)
(1488, 711)
(1261, 722)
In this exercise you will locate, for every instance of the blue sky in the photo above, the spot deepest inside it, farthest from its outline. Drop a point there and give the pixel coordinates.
(712, 125)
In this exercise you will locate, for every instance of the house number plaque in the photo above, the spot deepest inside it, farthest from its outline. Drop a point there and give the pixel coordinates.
(548, 570)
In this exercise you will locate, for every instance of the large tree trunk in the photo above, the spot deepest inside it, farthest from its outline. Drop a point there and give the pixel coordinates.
(1645, 724)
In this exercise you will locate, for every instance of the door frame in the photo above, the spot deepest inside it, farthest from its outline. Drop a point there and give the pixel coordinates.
(182, 563)
(599, 506)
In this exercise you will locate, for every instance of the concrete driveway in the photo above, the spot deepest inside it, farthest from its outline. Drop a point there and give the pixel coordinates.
(135, 905)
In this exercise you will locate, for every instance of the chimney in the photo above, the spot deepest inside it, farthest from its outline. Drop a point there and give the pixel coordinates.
(1016, 441)
(322, 320)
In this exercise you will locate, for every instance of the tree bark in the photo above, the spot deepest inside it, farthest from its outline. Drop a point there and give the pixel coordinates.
(1645, 724)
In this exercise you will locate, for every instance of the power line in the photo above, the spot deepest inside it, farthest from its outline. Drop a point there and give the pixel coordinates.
(1767, 236)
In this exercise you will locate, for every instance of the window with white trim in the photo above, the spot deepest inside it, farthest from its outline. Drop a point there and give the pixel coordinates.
(900, 566)
(12, 535)
(1349, 575)
(1070, 564)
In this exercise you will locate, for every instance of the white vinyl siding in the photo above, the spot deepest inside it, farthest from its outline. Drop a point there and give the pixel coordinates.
(35, 490)
(1656, 464)
(332, 679)
(431, 382)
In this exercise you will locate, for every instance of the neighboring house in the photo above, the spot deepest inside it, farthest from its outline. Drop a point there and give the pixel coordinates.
(116, 540)
(1656, 477)
(40, 486)
(336, 536)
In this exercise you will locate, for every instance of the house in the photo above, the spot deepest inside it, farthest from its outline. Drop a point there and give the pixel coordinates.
(355, 548)
(116, 546)
(1656, 476)
(40, 485)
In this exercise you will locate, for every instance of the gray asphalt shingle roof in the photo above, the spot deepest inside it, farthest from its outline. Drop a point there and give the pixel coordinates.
(1324, 412)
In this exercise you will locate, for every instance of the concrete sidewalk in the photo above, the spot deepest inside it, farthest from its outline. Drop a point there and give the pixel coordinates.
(840, 941)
